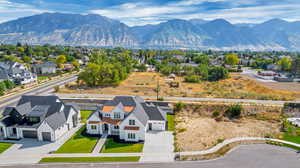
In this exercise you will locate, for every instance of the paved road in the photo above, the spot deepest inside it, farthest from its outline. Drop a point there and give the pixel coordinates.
(35, 91)
(191, 99)
(247, 156)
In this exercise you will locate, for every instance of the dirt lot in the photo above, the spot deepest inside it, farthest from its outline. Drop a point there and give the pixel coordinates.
(145, 84)
(197, 130)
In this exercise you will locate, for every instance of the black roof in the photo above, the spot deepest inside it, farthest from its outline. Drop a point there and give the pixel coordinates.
(52, 101)
(47, 108)
(7, 121)
(153, 112)
(125, 100)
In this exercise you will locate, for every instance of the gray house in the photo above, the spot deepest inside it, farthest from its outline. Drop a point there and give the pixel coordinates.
(44, 68)
(45, 118)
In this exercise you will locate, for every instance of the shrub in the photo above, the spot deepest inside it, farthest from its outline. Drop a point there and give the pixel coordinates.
(234, 111)
(192, 79)
(179, 106)
(216, 114)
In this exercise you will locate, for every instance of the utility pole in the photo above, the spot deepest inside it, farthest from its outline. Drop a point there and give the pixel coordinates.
(157, 89)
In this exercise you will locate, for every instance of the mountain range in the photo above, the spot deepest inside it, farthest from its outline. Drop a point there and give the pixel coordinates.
(99, 31)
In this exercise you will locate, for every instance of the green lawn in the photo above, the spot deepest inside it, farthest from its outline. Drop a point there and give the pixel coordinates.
(171, 123)
(111, 146)
(78, 143)
(5, 146)
(85, 115)
(90, 159)
(42, 77)
(292, 134)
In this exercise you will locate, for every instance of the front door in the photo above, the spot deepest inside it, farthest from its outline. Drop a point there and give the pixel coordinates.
(150, 126)
(105, 129)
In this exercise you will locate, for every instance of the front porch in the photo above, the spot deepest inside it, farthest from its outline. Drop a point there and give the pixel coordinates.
(9, 133)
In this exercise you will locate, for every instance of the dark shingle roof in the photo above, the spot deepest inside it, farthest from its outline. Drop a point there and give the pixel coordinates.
(125, 100)
(7, 121)
(7, 111)
(24, 108)
(52, 101)
(56, 120)
(153, 112)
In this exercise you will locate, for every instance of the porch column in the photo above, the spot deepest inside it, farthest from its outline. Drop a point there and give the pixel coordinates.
(5, 132)
(100, 128)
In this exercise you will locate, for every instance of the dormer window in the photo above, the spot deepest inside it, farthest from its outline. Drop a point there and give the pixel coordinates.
(106, 115)
(131, 122)
(117, 116)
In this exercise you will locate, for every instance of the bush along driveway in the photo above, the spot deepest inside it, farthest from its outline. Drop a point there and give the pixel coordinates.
(79, 143)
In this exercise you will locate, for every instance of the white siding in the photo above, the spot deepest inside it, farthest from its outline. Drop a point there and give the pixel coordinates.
(157, 125)
(44, 127)
(60, 132)
(93, 131)
(140, 134)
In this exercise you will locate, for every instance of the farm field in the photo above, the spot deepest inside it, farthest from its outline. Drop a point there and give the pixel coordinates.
(145, 84)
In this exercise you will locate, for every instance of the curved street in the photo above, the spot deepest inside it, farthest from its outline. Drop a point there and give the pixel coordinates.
(245, 156)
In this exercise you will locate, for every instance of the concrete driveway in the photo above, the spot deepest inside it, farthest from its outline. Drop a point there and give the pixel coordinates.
(158, 147)
(29, 151)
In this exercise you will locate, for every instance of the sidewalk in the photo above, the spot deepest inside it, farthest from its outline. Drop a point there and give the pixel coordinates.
(100, 144)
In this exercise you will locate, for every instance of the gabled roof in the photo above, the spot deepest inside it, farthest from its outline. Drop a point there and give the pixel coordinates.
(53, 101)
(125, 100)
(56, 120)
(154, 112)
(94, 116)
(140, 114)
(24, 108)
(7, 121)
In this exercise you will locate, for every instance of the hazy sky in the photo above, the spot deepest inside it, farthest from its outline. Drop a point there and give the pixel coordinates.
(138, 12)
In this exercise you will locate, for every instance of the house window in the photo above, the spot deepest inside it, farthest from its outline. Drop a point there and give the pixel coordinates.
(117, 115)
(116, 127)
(93, 127)
(131, 122)
(107, 115)
(131, 135)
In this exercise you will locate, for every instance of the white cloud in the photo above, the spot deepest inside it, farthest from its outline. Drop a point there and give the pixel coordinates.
(146, 13)
(10, 10)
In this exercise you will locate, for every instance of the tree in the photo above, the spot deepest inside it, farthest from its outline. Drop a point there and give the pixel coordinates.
(9, 84)
(285, 64)
(217, 73)
(2, 87)
(27, 59)
(90, 75)
(76, 64)
(231, 59)
(201, 59)
(61, 59)
(203, 71)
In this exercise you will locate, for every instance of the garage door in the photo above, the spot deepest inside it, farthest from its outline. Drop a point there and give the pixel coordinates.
(46, 136)
(29, 134)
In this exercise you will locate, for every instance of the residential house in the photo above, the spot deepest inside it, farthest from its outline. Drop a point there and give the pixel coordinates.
(128, 118)
(16, 72)
(44, 68)
(45, 118)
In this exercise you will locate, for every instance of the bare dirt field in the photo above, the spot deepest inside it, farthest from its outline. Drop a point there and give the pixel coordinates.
(197, 130)
(145, 84)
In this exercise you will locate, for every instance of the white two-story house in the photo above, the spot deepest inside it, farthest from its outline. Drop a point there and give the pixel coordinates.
(127, 117)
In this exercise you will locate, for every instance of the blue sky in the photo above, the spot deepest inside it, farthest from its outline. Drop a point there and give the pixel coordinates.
(138, 12)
